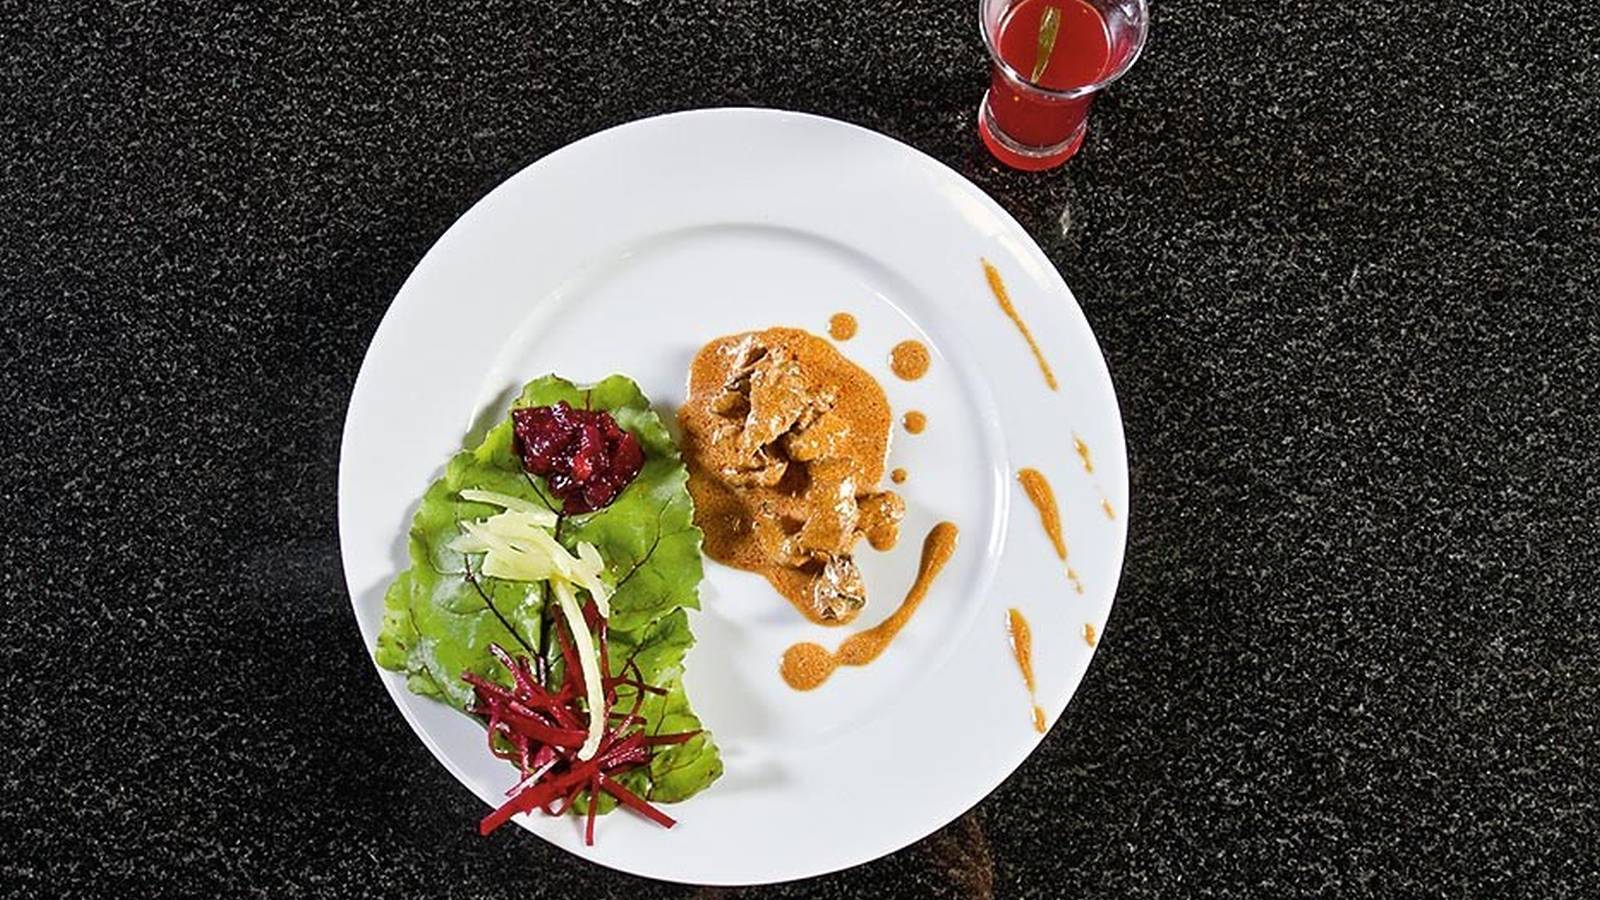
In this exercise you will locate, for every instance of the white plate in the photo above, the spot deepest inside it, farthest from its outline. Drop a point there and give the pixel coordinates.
(627, 251)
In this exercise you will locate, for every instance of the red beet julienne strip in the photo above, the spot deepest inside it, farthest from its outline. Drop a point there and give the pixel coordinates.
(485, 686)
(522, 679)
(530, 778)
(639, 690)
(524, 758)
(541, 703)
(491, 698)
(638, 699)
(547, 713)
(595, 621)
(518, 754)
(551, 787)
(637, 682)
(635, 756)
(532, 728)
(522, 802)
(571, 799)
(632, 801)
(620, 721)
(594, 807)
(539, 729)
(616, 746)
(566, 718)
(545, 729)
(544, 756)
(498, 727)
(544, 714)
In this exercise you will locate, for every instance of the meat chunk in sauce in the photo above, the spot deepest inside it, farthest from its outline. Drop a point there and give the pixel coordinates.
(880, 518)
(784, 436)
(838, 591)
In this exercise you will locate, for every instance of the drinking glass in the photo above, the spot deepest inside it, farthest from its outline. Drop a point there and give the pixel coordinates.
(1049, 60)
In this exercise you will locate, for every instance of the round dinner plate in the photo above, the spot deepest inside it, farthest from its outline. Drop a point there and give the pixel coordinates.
(629, 250)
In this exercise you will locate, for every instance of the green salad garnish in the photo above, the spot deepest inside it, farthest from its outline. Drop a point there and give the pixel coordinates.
(450, 623)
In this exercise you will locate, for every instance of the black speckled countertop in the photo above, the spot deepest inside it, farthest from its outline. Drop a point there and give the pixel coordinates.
(1343, 260)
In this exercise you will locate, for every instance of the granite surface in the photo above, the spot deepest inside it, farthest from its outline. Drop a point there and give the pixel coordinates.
(1343, 260)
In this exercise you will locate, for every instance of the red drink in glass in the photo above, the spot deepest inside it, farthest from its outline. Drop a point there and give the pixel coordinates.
(1050, 58)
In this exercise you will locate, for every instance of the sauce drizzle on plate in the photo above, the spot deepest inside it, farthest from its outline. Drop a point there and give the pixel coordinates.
(842, 326)
(1077, 583)
(997, 285)
(1038, 490)
(1083, 454)
(1037, 487)
(1088, 466)
(914, 421)
(807, 665)
(1021, 637)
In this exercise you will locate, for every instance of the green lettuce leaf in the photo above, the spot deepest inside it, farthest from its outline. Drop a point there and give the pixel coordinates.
(437, 624)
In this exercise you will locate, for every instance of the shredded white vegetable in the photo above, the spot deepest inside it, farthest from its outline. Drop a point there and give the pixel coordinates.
(589, 661)
(517, 545)
(544, 514)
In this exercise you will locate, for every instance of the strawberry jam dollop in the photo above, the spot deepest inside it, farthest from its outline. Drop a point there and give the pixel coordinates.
(585, 458)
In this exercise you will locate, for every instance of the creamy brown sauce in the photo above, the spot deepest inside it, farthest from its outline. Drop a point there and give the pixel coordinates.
(1037, 487)
(909, 360)
(1038, 490)
(898, 476)
(1022, 648)
(1089, 635)
(807, 665)
(842, 326)
(785, 441)
(1107, 508)
(1083, 454)
(997, 286)
(914, 421)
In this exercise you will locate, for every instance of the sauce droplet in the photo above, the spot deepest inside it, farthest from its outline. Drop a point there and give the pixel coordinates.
(842, 326)
(909, 360)
(997, 285)
(898, 476)
(807, 665)
(1021, 637)
(1106, 507)
(1088, 634)
(914, 422)
(1077, 583)
(1044, 500)
(1083, 454)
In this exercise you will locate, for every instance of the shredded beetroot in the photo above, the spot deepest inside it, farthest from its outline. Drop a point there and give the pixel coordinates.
(544, 728)
(583, 455)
